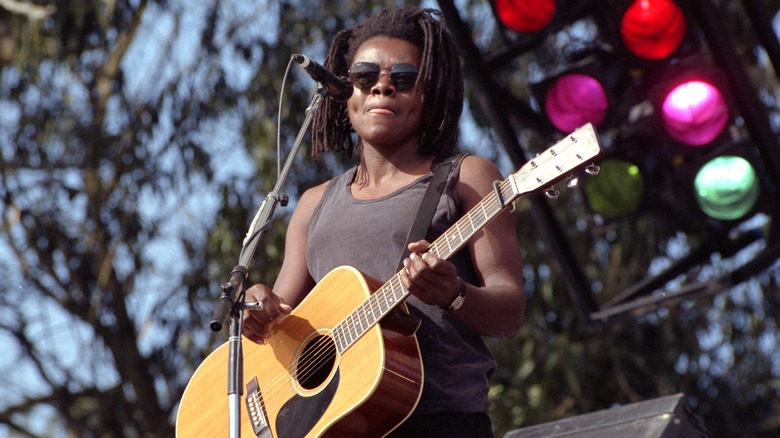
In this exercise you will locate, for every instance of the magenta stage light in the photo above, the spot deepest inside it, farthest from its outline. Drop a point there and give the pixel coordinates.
(695, 113)
(574, 100)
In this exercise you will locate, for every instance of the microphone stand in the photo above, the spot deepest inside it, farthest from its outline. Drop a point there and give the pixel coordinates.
(232, 298)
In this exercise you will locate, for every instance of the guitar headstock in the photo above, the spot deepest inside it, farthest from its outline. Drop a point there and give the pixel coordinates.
(577, 150)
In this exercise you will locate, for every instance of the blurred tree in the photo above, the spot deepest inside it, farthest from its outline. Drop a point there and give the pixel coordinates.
(137, 139)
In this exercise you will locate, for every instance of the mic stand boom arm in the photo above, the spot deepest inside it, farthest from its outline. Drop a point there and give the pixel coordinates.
(231, 300)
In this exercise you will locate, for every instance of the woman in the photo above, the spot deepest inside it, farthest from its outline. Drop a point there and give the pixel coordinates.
(404, 112)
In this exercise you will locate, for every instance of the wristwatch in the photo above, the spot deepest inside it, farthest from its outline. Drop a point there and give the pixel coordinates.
(458, 301)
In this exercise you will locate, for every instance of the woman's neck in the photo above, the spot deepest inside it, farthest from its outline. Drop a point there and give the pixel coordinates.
(383, 171)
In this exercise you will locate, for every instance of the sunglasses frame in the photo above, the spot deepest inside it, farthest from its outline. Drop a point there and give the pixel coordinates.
(367, 78)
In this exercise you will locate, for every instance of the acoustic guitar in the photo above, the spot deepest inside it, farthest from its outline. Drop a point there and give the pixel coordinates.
(333, 367)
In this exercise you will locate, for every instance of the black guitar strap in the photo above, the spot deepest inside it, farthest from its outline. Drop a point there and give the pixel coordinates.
(428, 205)
(401, 321)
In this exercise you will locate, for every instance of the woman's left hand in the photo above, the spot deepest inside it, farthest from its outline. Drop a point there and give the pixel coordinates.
(430, 278)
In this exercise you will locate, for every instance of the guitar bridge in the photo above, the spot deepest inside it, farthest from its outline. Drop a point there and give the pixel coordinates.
(255, 409)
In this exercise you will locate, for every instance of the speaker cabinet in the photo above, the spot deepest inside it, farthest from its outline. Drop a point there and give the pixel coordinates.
(664, 417)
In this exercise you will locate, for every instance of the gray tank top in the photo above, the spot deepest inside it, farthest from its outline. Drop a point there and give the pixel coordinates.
(369, 235)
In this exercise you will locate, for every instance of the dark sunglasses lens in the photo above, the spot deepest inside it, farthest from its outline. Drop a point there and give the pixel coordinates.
(405, 81)
(403, 76)
(364, 75)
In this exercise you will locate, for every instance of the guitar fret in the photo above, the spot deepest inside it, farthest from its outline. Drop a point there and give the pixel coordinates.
(483, 218)
(460, 234)
(392, 299)
(398, 295)
(338, 339)
(471, 221)
(351, 335)
(368, 317)
(469, 227)
(354, 333)
(343, 335)
(383, 294)
(373, 315)
(359, 315)
(376, 307)
(344, 339)
(448, 236)
(350, 332)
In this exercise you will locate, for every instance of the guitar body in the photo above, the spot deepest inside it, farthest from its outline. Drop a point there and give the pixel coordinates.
(300, 382)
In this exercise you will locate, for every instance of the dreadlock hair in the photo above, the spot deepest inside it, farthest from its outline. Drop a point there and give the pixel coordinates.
(440, 73)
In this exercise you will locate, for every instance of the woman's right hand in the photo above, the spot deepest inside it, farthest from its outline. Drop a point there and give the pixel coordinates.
(259, 320)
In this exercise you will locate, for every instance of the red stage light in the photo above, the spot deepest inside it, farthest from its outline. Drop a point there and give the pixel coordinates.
(525, 15)
(653, 29)
(695, 113)
(575, 99)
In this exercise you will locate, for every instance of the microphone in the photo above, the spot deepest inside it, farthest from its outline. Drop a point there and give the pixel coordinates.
(339, 88)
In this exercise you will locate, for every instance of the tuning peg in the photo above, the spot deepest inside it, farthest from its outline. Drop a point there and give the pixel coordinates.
(552, 193)
(592, 169)
(572, 182)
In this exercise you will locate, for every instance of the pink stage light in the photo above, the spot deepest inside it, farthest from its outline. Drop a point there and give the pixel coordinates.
(574, 100)
(695, 113)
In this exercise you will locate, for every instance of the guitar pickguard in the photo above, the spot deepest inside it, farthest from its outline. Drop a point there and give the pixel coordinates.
(299, 414)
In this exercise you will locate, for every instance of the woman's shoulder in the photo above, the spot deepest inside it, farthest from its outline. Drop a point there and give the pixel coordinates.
(474, 168)
(312, 196)
(474, 180)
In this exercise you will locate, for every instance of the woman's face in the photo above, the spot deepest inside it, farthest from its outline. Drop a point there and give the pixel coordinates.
(382, 114)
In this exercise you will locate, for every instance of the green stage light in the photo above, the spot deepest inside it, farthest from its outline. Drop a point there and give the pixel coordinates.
(617, 191)
(726, 187)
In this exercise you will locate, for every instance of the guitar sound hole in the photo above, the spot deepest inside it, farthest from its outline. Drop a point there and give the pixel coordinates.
(316, 362)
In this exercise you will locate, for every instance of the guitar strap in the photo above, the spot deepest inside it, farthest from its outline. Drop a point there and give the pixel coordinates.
(400, 321)
(428, 205)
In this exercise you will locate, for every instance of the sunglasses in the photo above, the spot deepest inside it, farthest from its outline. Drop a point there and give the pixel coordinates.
(365, 75)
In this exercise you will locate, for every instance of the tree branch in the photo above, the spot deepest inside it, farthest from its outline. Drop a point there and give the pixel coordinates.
(32, 12)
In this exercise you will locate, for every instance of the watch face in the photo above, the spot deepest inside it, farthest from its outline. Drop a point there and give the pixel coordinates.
(457, 302)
